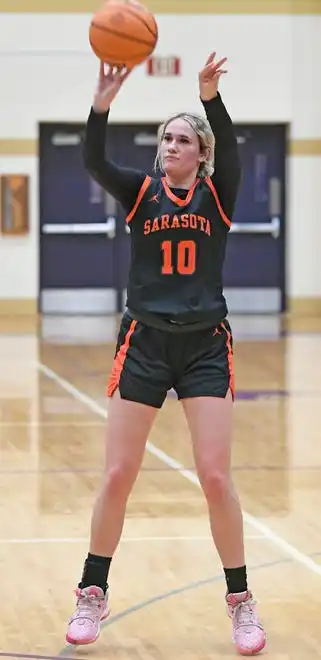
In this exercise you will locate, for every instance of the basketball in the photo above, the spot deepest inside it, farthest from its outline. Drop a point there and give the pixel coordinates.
(123, 33)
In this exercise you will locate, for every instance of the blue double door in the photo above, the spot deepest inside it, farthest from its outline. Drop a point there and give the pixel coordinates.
(84, 243)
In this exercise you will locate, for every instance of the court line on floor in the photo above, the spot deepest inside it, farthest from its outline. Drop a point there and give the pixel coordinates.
(76, 471)
(33, 657)
(36, 423)
(259, 526)
(128, 539)
(30, 656)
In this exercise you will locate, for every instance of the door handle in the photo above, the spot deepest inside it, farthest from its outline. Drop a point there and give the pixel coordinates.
(272, 228)
(108, 228)
(111, 227)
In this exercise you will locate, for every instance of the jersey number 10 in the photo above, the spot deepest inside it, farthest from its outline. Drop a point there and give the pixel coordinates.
(183, 262)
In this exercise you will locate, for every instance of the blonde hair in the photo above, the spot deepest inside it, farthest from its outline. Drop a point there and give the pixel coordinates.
(202, 128)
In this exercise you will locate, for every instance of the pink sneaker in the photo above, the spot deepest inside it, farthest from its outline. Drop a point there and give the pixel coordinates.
(248, 633)
(92, 608)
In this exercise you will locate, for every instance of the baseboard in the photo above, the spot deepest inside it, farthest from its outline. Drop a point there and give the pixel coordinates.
(29, 306)
(18, 307)
(305, 306)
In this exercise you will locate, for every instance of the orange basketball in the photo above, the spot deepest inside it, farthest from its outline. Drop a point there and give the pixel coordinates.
(123, 33)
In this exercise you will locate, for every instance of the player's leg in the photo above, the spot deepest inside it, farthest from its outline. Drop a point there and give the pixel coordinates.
(134, 402)
(128, 426)
(207, 392)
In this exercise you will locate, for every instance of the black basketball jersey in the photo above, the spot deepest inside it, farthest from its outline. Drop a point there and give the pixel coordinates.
(177, 255)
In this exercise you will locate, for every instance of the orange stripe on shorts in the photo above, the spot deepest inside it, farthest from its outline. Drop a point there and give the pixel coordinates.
(119, 361)
(230, 360)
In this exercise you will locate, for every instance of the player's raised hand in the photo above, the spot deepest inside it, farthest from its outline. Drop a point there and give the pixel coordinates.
(110, 81)
(209, 77)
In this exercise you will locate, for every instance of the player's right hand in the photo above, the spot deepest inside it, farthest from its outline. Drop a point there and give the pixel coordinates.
(110, 81)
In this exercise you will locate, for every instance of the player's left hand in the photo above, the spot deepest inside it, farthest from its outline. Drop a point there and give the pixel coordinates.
(209, 77)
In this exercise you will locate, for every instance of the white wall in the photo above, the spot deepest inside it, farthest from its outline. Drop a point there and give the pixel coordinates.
(48, 67)
(304, 227)
(48, 73)
(304, 192)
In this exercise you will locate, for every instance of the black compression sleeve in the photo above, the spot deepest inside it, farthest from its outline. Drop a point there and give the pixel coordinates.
(123, 183)
(227, 173)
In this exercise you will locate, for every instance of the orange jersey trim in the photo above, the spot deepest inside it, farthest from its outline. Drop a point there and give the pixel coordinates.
(140, 196)
(119, 362)
(178, 200)
(222, 214)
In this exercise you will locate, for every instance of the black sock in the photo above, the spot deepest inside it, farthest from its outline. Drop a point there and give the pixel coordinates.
(236, 579)
(95, 572)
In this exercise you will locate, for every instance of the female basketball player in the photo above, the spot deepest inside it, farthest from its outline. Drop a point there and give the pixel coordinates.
(174, 333)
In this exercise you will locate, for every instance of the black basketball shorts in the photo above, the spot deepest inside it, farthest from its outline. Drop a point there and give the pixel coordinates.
(149, 362)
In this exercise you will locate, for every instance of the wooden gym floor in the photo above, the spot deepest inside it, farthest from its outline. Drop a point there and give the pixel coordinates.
(167, 592)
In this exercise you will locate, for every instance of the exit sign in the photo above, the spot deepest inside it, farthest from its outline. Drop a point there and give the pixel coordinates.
(164, 66)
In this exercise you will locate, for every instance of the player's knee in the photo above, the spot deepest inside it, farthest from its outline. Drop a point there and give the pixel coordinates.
(118, 481)
(216, 484)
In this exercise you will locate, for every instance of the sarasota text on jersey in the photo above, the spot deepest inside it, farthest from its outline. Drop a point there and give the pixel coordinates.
(183, 221)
